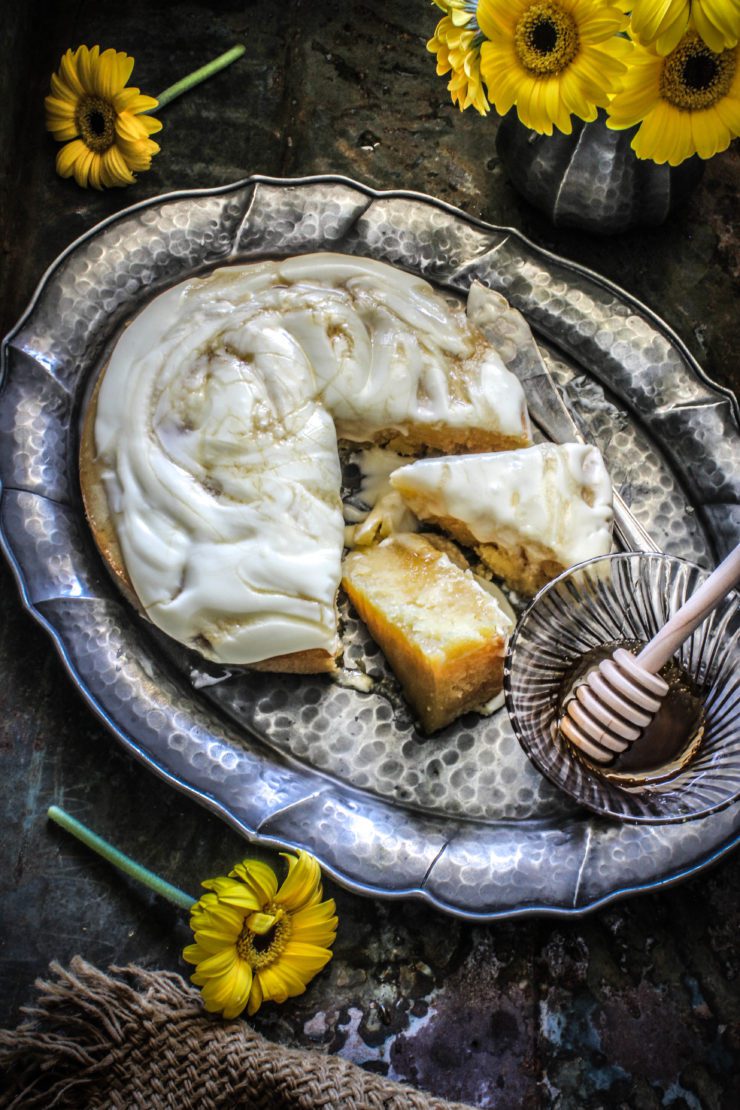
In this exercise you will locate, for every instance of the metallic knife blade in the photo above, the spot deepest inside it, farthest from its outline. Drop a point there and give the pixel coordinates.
(511, 333)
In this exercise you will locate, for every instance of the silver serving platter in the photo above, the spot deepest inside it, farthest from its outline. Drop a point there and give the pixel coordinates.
(460, 819)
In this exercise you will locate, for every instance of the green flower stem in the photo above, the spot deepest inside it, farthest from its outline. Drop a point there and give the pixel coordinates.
(199, 75)
(118, 859)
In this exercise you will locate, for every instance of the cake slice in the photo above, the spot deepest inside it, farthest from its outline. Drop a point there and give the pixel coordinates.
(528, 514)
(443, 635)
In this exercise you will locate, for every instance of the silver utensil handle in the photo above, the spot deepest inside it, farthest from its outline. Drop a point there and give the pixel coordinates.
(549, 410)
(628, 529)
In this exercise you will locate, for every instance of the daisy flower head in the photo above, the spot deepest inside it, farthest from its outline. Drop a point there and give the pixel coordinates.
(663, 23)
(257, 941)
(456, 43)
(552, 58)
(686, 103)
(100, 121)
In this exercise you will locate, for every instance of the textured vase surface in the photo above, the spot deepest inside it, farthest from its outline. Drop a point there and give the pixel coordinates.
(592, 178)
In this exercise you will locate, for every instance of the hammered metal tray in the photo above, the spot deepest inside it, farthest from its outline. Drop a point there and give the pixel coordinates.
(460, 819)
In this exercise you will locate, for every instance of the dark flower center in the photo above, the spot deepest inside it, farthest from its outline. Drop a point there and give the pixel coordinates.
(261, 943)
(694, 77)
(96, 123)
(546, 38)
(700, 71)
(262, 949)
(95, 119)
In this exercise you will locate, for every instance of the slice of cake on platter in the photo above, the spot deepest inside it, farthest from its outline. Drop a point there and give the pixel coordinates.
(443, 635)
(528, 514)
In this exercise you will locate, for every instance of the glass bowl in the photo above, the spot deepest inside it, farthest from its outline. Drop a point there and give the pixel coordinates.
(606, 601)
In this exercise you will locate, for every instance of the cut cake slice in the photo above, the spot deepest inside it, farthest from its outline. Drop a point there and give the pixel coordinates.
(443, 635)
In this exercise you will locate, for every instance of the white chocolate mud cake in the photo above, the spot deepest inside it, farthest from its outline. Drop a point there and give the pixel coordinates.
(443, 635)
(528, 514)
(209, 462)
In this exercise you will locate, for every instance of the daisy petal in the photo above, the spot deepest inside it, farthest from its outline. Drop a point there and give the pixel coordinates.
(125, 68)
(728, 111)
(716, 31)
(261, 923)
(225, 919)
(301, 883)
(280, 982)
(307, 959)
(194, 954)
(62, 91)
(260, 877)
(68, 74)
(87, 61)
(240, 989)
(131, 100)
(106, 74)
(218, 963)
(672, 32)
(220, 992)
(68, 156)
(60, 121)
(138, 156)
(255, 996)
(96, 171)
(115, 170)
(211, 943)
(130, 127)
(709, 134)
(234, 893)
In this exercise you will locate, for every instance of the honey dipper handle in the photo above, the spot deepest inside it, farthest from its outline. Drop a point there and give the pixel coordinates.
(692, 613)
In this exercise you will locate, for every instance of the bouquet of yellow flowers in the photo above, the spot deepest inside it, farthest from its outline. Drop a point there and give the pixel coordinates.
(669, 67)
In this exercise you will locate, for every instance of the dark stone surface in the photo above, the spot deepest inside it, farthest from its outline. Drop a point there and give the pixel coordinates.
(634, 1006)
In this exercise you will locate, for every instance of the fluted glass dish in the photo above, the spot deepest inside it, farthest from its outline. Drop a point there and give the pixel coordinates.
(607, 601)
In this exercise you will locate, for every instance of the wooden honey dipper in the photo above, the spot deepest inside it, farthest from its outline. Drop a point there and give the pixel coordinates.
(616, 702)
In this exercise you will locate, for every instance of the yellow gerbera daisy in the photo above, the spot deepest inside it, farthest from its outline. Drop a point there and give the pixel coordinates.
(663, 23)
(456, 43)
(686, 103)
(100, 121)
(255, 941)
(552, 58)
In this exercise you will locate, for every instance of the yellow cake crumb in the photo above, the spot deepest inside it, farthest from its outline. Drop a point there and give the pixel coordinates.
(442, 634)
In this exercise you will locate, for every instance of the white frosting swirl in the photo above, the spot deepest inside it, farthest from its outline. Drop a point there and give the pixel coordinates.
(216, 430)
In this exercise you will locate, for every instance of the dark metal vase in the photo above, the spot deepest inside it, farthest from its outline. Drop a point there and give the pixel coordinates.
(592, 178)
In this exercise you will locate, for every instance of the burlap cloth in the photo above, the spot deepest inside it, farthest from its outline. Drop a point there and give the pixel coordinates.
(141, 1038)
